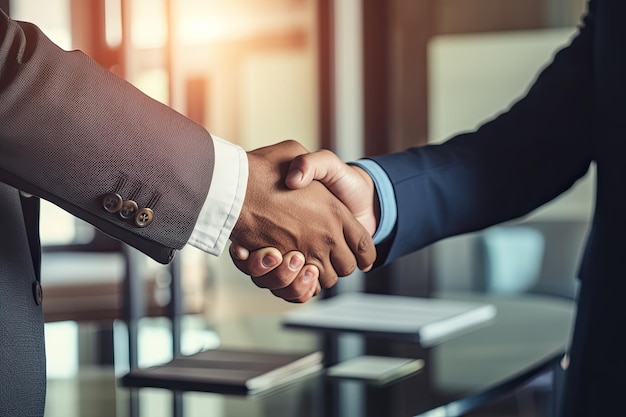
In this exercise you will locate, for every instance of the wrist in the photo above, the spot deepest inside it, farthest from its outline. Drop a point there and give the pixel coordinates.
(384, 209)
(372, 215)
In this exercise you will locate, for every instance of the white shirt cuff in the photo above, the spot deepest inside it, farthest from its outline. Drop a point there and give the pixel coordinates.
(225, 199)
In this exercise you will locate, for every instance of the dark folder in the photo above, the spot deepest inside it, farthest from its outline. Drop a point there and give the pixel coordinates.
(227, 371)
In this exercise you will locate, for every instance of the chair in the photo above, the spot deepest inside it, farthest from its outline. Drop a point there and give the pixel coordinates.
(538, 257)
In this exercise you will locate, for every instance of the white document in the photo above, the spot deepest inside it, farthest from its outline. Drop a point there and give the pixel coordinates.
(379, 370)
(424, 320)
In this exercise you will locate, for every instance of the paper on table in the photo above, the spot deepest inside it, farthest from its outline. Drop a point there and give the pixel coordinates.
(375, 369)
(425, 320)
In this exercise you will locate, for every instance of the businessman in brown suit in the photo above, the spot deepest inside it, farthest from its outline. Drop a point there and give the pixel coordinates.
(73, 133)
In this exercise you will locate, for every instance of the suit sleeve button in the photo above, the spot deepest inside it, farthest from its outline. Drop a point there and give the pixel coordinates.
(37, 293)
(128, 210)
(112, 202)
(144, 217)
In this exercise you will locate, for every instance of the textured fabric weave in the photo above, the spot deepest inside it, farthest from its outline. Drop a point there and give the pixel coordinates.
(22, 356)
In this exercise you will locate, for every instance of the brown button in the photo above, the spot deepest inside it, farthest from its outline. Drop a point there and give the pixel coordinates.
(112, 202)
(144, 217)
(37, 292)
(128, 210)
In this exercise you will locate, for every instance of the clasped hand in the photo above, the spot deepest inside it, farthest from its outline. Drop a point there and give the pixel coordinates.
(296, 241)
(295, 235)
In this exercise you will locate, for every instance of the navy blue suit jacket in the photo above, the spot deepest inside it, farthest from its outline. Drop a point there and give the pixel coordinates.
(573, 115)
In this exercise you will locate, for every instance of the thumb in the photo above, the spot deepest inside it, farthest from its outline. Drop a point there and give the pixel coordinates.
(323, 166)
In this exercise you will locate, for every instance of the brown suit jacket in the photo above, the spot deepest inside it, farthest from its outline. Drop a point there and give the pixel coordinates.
(71, 132)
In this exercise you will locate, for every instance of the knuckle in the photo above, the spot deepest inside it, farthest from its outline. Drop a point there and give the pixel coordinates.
(253, 272)
(326, 153)
(347, 269)
(364, 244)
(312, 257)
(303, 163)
(366, 251)
(294, 145)
(273, 281)
(282, 281)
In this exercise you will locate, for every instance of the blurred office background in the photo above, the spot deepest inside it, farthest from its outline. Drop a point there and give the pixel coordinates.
(360, 77)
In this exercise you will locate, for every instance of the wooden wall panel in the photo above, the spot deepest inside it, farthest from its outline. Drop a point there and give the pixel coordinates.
(468, 16)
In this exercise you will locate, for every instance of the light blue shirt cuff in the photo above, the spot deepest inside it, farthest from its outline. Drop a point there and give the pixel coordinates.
(386, 197)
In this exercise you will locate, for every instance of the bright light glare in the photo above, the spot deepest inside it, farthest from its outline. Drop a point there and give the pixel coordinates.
(52, 17)
(113, 22)
(149, 24)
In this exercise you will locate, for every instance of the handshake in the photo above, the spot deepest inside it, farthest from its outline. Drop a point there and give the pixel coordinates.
(307, 219)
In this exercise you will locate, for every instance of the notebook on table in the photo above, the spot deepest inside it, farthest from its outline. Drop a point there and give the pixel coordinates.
(424, 320)
(227, 371)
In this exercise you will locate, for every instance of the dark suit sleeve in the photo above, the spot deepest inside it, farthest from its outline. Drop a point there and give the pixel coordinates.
(511, 165)
(71, 131)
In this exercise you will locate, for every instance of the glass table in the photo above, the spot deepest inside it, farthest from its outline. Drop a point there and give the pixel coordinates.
(527, 338)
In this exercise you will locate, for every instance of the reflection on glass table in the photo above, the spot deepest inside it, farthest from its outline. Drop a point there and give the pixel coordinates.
(527, 339)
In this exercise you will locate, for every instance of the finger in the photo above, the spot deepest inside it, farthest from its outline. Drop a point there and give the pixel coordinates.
(360, 243)
(330, 268)
(255, 263)
(284, 274)
(340, 258)
(350, 184)
(238, 252)
(322, 165)
(303, 288)
(318, 289)
(357, 250)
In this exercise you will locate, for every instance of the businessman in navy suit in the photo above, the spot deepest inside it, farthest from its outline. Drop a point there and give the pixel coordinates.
(573, 115)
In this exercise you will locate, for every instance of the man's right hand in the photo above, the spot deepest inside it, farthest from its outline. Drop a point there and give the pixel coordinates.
(349, 183)
(352, 185)
(307, 224)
